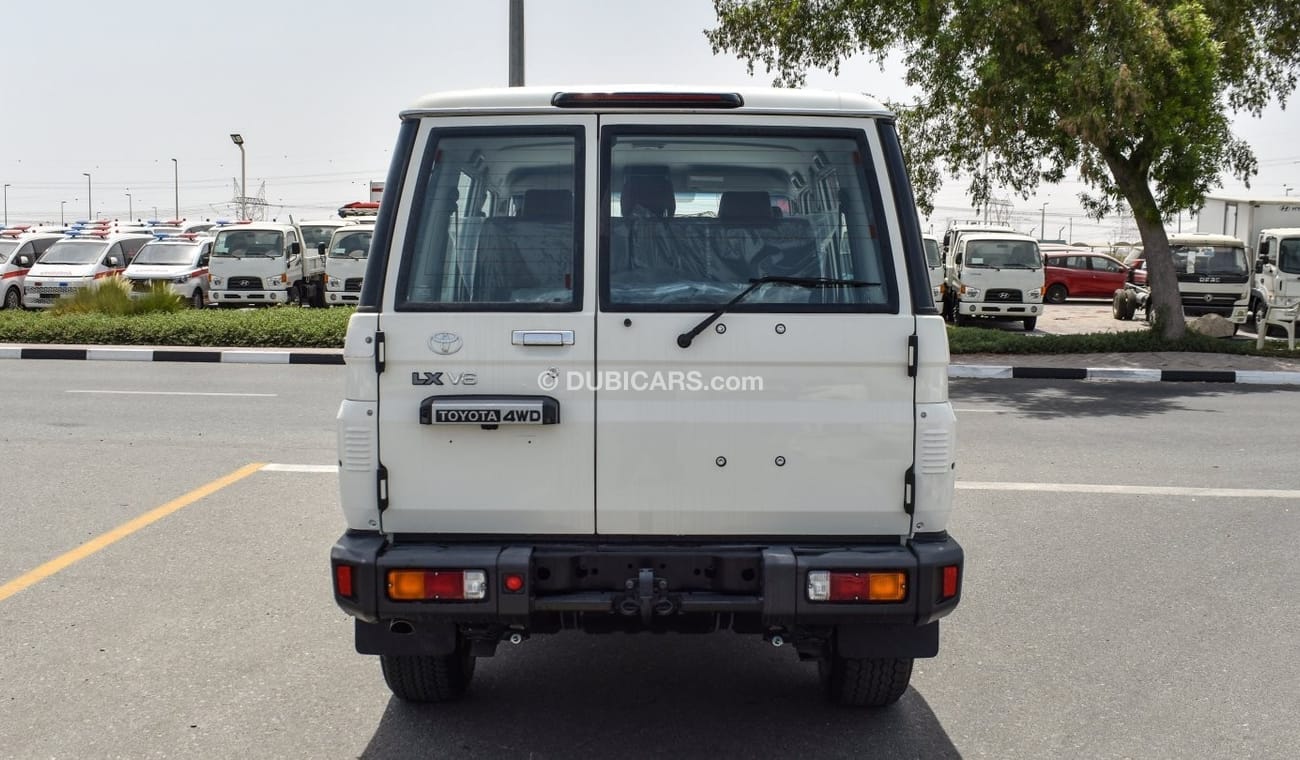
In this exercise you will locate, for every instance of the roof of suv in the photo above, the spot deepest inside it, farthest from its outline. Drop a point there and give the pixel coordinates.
(536, 99)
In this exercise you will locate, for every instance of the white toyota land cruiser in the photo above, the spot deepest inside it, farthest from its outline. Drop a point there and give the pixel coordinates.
(538, 432)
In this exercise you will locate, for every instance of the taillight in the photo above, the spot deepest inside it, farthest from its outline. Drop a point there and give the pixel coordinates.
(862, 586)
(436, 585)
(343, 580)
(950, 582)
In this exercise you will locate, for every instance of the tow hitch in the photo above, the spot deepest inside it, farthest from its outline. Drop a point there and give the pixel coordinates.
(646, 596)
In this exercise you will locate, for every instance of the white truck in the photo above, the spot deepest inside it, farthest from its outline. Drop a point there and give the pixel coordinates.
(934, 263)
(1277, 271)
(88, 253)
(571, 405)
(992, 271)
(1250, 220)
(345, 263)
(20, 246)
(263, 264)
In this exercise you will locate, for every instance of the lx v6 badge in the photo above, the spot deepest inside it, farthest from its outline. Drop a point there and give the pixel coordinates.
(437, 378)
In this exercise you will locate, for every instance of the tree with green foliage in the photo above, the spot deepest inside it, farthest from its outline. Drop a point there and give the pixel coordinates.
(1136, 95)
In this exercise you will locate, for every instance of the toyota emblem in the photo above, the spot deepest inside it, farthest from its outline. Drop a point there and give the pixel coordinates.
(445, 343)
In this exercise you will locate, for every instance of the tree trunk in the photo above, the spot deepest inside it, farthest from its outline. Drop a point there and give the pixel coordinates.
(1166, 303)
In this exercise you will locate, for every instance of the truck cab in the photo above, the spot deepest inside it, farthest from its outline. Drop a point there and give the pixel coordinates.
(345, 263)
(992, 271)
(20, 246)
(1276, 271)
(934, 264)
(647, 360)
(260, 264)
(89, 252)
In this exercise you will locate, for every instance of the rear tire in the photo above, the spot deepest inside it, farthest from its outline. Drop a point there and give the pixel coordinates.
(196, 300)
(1056, 294)
(864, 682)
(13, 299)
(429, 678)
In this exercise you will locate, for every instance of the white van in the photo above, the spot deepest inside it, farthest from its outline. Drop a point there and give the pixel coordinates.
(20, 246)
(179, 260)
(645, 360)
(82, 257)
(345, 263)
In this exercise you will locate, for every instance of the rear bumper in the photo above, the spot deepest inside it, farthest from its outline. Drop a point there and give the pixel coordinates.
(599, 586)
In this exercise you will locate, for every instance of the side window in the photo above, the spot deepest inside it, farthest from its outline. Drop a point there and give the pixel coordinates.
(26, 249)
(1264, 247)
(41, 246)
(1076, 262)
(1104, 264)
(115, 250)
(204, 253)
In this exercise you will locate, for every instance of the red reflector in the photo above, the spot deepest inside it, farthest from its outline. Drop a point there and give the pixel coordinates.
(513, 582)
(648, 99)
(343, 580)
(846, 586)
(444, 585)
(950, 578)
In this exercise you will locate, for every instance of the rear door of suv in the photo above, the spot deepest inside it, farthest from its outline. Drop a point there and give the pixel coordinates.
(492, 301)
(792, 412)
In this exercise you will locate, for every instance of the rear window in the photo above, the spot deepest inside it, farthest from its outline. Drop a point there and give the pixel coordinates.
(694, 215)
(495, 226)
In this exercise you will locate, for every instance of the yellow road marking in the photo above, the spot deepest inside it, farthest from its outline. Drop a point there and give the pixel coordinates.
(67, 559)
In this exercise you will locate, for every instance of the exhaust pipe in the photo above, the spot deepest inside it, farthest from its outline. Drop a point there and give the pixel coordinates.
(401, 627)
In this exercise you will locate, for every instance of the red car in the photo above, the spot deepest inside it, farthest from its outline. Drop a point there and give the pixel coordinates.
(1082, 274)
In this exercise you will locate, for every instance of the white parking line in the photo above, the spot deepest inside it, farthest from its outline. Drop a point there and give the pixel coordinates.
(976, 485)
(177, 393)
(322, 468)
(1244, 493)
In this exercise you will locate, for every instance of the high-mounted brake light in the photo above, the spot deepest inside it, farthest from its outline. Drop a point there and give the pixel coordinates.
(647, 100)
(436, 585)
(861, 586)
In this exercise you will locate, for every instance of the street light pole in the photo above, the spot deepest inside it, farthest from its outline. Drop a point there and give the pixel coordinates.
(176, 185)
(130, 209)
(6, 204)
(1042, 222)
(238, 139)
(61, 219)
(90, 213)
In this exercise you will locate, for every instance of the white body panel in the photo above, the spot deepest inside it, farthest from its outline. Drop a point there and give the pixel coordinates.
(344, 269)
(1276, 285)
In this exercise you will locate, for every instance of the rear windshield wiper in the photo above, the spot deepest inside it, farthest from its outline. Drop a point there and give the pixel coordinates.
(684, 340)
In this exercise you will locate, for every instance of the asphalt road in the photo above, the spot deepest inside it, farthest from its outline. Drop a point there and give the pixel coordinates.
(1158, 620)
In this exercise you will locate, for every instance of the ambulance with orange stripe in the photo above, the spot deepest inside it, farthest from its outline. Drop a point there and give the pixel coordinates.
(178, 260)
(20, 246)
(89, 252)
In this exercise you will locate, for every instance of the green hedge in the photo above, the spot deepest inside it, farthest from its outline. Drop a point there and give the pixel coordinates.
(280, 327)
(978, 340)
(292, 327)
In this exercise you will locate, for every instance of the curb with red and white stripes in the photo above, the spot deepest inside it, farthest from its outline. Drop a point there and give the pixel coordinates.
(1124, 374)
(134, 354)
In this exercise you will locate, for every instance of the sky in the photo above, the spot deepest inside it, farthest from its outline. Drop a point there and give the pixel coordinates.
(119, 90)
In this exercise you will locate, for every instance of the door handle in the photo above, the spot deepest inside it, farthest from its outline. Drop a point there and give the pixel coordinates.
(542, 337)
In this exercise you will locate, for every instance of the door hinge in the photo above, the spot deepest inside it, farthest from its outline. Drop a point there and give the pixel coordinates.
(380, 353)
(909, 491)
(913, 355)
(381, 487)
